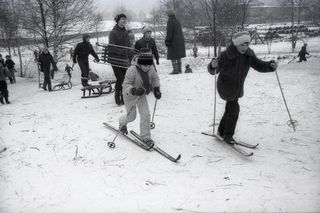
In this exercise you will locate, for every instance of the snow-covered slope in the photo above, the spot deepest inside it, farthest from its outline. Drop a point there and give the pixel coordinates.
(57, 159)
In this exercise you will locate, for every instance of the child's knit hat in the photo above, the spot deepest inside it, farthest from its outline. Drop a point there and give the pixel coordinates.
(241, 38)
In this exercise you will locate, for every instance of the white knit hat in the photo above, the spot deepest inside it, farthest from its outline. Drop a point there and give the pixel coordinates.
(146, 29)
(241, 38)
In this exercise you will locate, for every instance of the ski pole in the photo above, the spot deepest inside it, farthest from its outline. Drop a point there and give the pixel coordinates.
(152, 125)
(291, 121)
(111, 144)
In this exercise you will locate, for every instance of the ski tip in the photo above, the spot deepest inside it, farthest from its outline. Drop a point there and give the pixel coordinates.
(178, 158)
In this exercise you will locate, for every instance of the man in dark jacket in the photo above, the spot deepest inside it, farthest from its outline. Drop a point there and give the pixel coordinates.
(45, 61)
(10, 66)
(119, 36)
(175, 42)
(81, 54)
(3, 84)
(148, 43)
(233, 65)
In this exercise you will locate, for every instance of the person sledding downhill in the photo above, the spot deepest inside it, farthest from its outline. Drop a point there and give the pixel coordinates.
(233, 65)
(139, 81)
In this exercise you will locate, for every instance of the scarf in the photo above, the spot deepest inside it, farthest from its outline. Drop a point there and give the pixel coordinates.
(145, 79)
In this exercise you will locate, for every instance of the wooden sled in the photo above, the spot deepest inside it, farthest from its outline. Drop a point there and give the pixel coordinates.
(93, 91)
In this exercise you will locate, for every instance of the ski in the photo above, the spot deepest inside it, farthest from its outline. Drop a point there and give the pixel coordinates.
(160, 151)
(140, 144)
(235, 145)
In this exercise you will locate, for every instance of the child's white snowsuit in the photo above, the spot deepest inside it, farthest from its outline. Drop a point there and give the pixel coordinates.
(134, 80)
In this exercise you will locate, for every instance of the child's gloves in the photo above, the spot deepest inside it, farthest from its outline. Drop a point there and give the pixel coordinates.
(157, 93)
(137, 92)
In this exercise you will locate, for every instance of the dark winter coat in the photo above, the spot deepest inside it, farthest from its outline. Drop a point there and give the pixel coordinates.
(82, 51)
(119, 36)
(2, 61)
(175, 39)
(9, 64)
(45, 61)
(4, 73)
(233, 68)
(302, 53)
(149, 44)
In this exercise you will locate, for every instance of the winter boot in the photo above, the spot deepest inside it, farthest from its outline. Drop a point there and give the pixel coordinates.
(84, 82)
(124, 129)
(1, 99)
(7, 100)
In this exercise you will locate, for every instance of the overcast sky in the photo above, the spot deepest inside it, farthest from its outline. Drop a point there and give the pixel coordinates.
(134, 5)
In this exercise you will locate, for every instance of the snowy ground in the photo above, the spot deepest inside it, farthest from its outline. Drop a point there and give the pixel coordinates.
(57, 159)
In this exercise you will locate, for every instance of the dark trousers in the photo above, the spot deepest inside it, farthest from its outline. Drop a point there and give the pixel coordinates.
(120, 73)
(12, 76)
(4, 90)
(229, 119)
(84, 67)
(47, 80)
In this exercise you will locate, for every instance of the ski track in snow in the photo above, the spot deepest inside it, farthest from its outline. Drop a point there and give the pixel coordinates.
(57, 157)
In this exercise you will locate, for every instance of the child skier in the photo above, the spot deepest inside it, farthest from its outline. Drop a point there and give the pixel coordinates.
(139, 80)
(233, 65)
(3, 84)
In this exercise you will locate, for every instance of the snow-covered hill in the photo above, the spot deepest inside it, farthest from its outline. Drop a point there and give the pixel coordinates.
(57, 159)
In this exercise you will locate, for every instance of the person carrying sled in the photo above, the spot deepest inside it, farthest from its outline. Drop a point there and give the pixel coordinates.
(302, 53)
(139, 81)
(45, 61)
(4, 73)
(233, 65)
(81, 55)
(147, 43)
(119, 36)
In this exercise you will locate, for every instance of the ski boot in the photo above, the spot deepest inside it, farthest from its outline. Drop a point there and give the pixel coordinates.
(229, 139)
(123, 129)
(149, 142)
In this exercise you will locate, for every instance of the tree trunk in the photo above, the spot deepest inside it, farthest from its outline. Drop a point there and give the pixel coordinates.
(44, 27)
(20, 59)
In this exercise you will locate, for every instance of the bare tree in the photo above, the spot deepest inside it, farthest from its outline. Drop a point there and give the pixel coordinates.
(57, 21)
